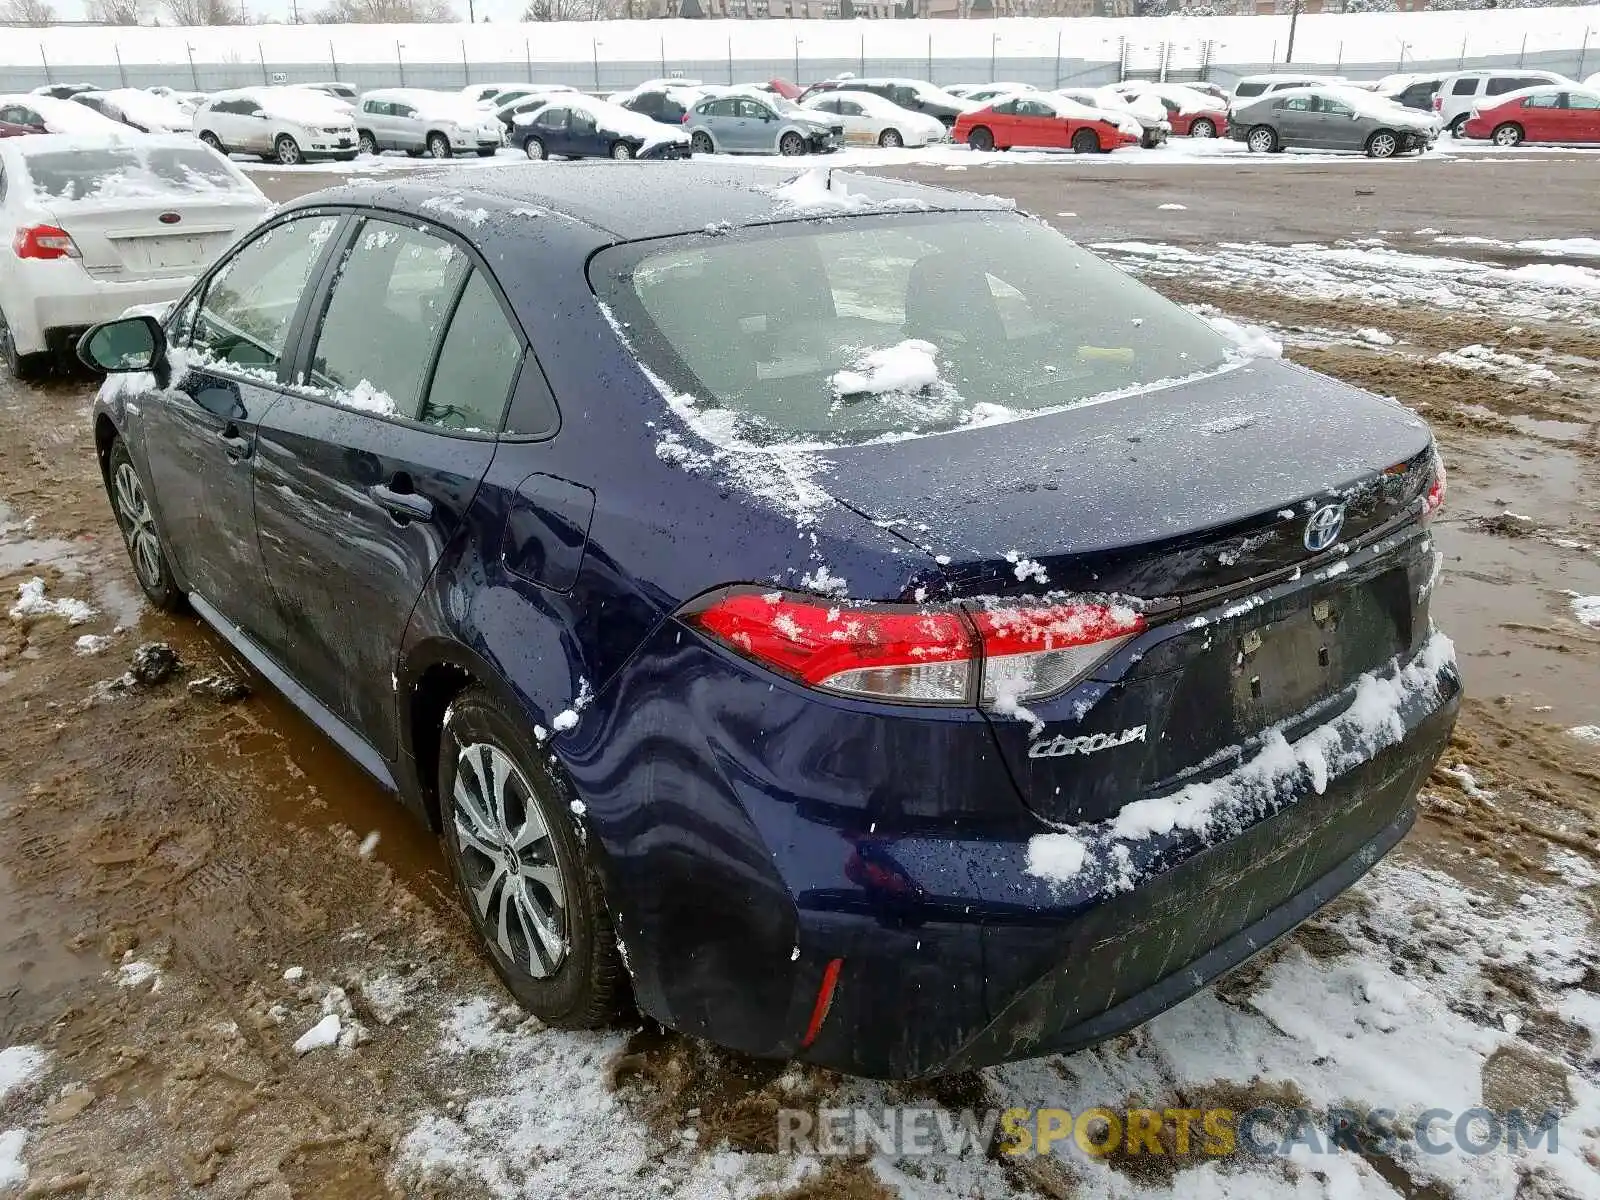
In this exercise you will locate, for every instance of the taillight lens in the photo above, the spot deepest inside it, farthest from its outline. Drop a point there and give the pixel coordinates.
(992, 656)
(1434, 500)
(44, 241)
(1033, 652)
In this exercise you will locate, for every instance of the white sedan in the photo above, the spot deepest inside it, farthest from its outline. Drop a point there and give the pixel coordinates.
(870, 120)
(102, 223)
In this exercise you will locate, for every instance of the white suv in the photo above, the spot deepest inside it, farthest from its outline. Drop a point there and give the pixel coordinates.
(419, 121)
(286, 125)
(1459, 92)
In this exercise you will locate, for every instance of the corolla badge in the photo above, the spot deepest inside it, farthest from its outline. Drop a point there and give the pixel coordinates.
(1061, 745)
(1322, 530)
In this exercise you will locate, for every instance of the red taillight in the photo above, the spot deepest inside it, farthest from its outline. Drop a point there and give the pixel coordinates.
(1434, 500)
(44, 241)
(683, 120)
(996, 656)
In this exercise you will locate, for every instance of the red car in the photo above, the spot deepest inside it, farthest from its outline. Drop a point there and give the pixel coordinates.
(1542, 114)
(1207, 123)
(9, 129)
(1041, 120)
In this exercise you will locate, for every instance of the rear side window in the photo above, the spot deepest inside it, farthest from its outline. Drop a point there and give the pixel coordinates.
(383, 319)
(1250, 89)
(477, 364)
(249, 303)
(1465, 87)
(1418, 93)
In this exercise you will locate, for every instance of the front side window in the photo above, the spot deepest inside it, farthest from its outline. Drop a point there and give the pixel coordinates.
(1579, 100)
(779, 328)
(1335, 109)
(250, 302)
(383, 318)
(1296, 104)
(582, 122)
(477, 364)
(552, 118)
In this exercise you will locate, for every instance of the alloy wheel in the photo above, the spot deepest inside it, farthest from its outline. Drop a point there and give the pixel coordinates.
(1203, 129)
(791, 144)
(1261, 141)
(438, 146)
(700, 142)
(533, 148)
(621, 151)
(508, 860)
(1507, 135)
(288, 151)
(138, 525)
(367, 143)
(891, 138)
(1383, 145)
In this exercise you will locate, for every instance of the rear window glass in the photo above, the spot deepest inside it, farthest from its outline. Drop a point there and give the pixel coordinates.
(1465, 87)
(1250, 89)
(852, 330)
(112, 173)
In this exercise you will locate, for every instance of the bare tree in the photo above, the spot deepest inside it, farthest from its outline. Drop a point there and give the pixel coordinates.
(567, 10)
(204, 12)
(387, 12)
(27, 12)
(115, 12)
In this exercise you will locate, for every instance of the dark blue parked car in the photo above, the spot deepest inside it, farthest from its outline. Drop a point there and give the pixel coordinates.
(897, 640)
(581, 127)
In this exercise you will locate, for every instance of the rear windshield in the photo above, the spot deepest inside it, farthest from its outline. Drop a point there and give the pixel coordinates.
(110, 173)
(858, 328)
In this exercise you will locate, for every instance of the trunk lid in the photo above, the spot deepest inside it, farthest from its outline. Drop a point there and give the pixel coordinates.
(1196, 500)
(126, 240)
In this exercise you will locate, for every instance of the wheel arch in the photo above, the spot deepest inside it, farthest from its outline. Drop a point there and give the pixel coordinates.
(106, 434)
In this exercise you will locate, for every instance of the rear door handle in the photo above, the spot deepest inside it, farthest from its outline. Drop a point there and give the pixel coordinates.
(236, 445)
(402, 506)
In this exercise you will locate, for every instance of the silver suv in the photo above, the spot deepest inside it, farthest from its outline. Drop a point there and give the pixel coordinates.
(418, 121)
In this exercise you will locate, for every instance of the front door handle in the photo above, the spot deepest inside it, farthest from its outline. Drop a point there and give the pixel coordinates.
(403, 506)
(234, 444)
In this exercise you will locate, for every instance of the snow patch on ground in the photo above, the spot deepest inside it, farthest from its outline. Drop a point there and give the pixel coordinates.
(13, 1171)
(137, 973)
(1478, 357)
(1586, 733)
(320, 1036)
(20, 1065)
(91, 643)
(1586, 609)
(31, 602)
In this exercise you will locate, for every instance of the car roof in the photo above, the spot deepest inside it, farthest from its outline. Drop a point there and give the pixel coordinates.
(629, 202)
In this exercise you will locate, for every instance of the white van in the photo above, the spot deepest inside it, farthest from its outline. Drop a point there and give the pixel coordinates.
(419, 121)
(286, 124)
(1459, 92)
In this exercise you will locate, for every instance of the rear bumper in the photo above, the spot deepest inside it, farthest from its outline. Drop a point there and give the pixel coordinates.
(66, 300)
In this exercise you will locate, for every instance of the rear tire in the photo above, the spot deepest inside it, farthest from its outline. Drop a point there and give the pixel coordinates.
(890, 139)
(1384, 143)
(1457, 124)
(1509, 134)
(286, 151)
(23, 367)
(1203, 127)
(700, 143)
(1263, 139)
(439, 146)
(130, 504)
(1085, 141)
(366, 143)
(214, 142)
(791, 145)
(516, 859)
(981, 140)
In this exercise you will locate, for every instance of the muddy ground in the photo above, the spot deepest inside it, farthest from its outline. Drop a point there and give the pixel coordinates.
(168, 855)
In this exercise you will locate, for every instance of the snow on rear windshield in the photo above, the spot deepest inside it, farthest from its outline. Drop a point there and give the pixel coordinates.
(862, 328)
(116, 172)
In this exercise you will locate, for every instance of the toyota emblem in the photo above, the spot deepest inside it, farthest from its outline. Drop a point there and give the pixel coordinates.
(1322, 530)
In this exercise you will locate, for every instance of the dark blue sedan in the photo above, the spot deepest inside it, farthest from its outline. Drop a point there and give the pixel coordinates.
(842, 618)
(582, 127)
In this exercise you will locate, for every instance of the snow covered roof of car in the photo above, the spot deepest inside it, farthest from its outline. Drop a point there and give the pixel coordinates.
(647, 199)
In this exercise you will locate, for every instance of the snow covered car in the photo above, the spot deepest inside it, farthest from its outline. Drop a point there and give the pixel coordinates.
(1060, 710)
(282, 124)
(668, 105)
(1458, 94)
(870, 120)
(1154, 128)
(1331, 118)
(418, 121)
(138, 109)
(1567, 115)
(1047, 121)
(47, 114)
(914, 95)
(581, 127)
(1191, 113)
(747, 124)
(102, 223)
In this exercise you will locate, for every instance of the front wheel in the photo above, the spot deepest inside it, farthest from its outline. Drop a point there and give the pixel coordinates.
(791, 145)
(1507, 135)
(131, 505)
(530, 888)
(438, 146)
(366, 143)
(890, 139)
(1263, 139)
(1085, 141)
(1382, 144)
(1203, 127)
(981, 140)
(700, 142)
(621, 151)
(534, 149)
(287, 151)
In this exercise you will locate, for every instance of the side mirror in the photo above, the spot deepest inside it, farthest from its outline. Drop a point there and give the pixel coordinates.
(129, 344)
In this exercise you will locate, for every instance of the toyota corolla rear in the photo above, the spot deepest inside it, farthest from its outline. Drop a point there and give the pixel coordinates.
(1082, 657)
